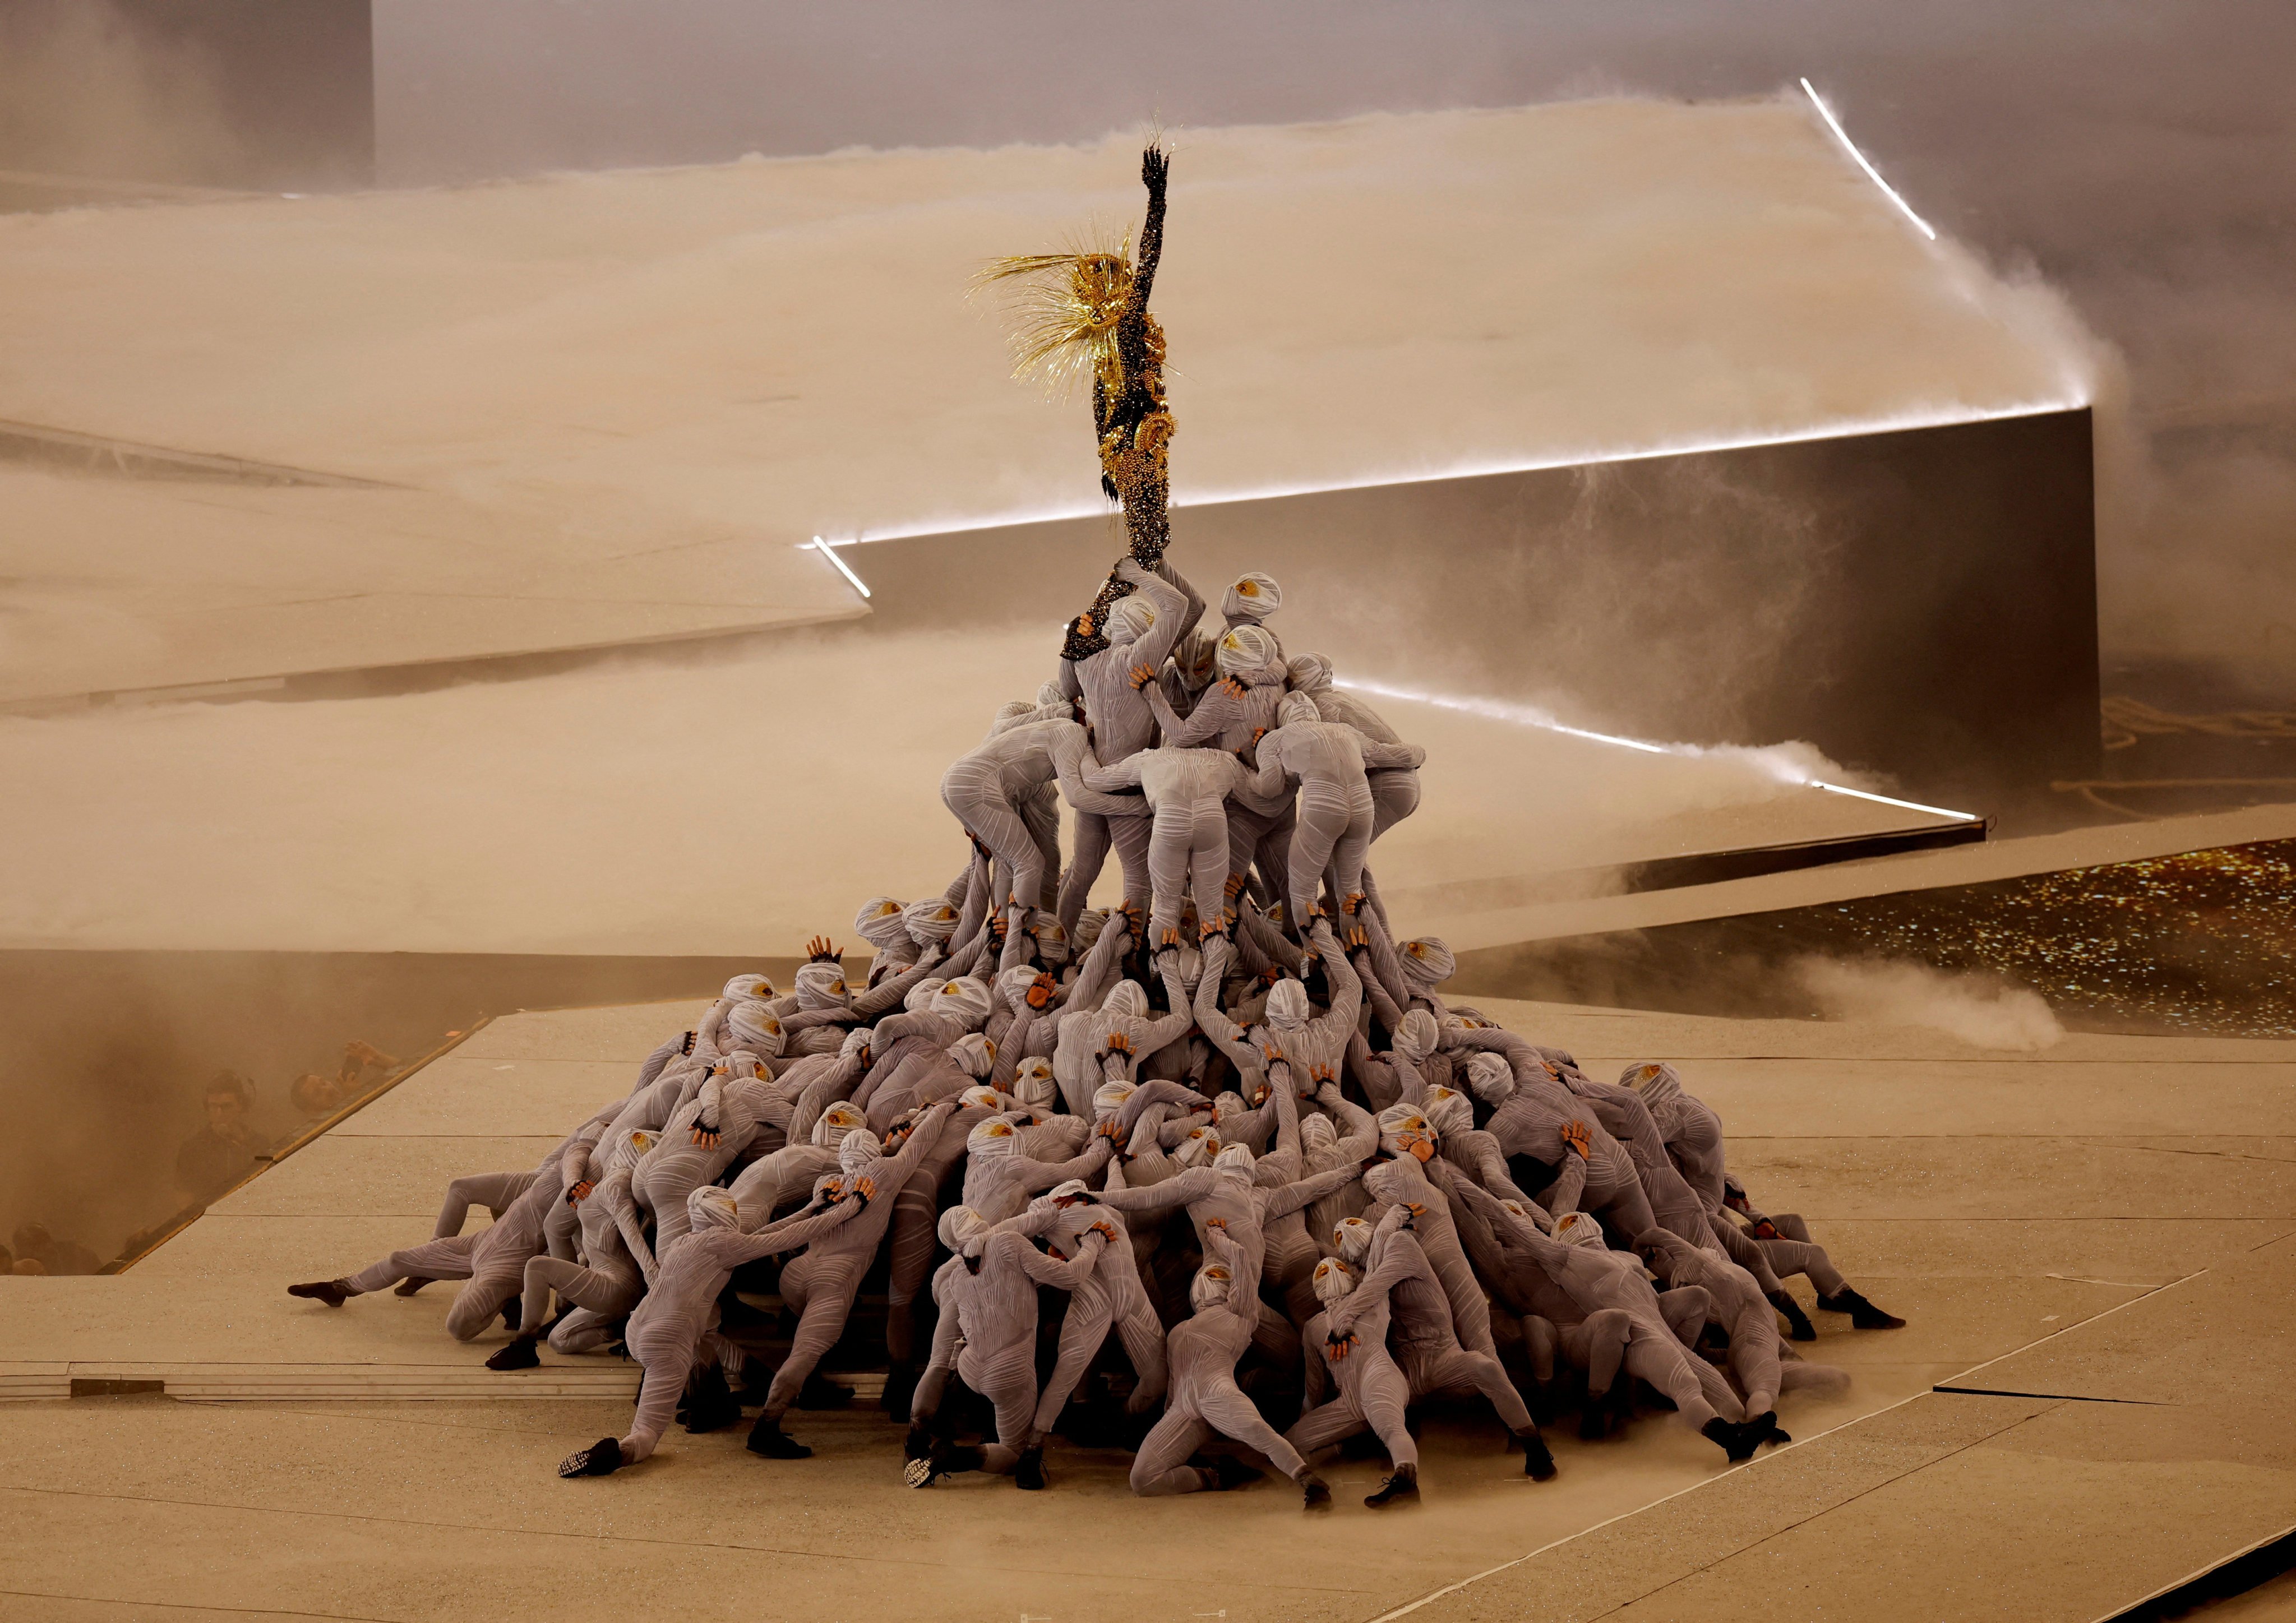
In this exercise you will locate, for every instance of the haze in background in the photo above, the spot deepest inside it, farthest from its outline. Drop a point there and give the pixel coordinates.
(2139, 154)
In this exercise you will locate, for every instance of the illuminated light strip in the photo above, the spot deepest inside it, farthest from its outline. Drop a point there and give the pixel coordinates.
(1527, 715)
(828, 549)
(1849, 429)
(1873, 174)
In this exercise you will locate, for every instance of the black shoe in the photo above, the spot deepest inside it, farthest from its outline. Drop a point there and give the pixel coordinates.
(513, 1311)
(1315, 1493)
(331, 1291)
(1403, 1485)
(408, 1287)
(601, 1458)
(768, 1438)
(1029, 1470)
(1739, 1442)
(1231, 1473)
(1538, 1463)
(710, 1405)
(1765, 1426)
(519, 1354)
(1863, 1314)
(944, 1461)
(1798, 1324)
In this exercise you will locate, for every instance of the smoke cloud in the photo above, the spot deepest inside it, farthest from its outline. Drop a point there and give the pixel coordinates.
(1982, 1013)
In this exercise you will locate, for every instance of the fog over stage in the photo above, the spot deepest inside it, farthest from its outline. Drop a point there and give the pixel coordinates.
(604, 409)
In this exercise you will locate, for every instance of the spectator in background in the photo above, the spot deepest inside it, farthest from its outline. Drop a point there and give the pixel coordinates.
(223, 1150)
(38, 1251)
(317, 1097)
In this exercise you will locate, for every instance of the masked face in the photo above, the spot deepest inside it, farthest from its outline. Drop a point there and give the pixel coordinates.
(1427, 962)
(1130, 618)
(1033, 1084)
(746, 987)
(821, 986)
(1352, 1240)
(1126, 1001)
(1197, 1148)
(756, 1029)
(973, 1054)
(1404, 1131)
(1448, 1113)
(1577, 1228)
(992, 1139)
(712, 1207)
(1317, 1135)
(1234, 1160)
(835, 1122)
(879, 922)
(1416, 1038)
(1491, 1078)
(983, 1098)
(1109, 1098)
(1332, 1281)
(1052, 940)
(856, 1151)
(958, 1225)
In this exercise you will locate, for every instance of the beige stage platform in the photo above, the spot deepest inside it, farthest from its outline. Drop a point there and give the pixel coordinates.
(2108, 1219)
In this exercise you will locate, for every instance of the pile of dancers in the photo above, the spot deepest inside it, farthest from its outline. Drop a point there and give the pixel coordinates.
(1218, 1161)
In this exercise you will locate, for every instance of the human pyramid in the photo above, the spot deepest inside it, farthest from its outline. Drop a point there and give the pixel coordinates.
(1219, 1160)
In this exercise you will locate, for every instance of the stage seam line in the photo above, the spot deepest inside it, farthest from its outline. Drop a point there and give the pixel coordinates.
(1754, 1464)
(259, 1611)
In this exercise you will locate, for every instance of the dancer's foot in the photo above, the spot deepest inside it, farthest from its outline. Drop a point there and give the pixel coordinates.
(1538, 1463)
(1403, 1485)
(334, 1292)
(1029, 1470)
(768, 1438)
(1315, 1493)
(519, 1354)
(408, 1287)
(1863, 1314)
(1798, 1324)
(1739, 1442)
(601, 1458)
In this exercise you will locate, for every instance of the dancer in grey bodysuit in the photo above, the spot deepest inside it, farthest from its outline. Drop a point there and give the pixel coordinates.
(819, 1286)
(1599, 1279)
(1204, 1397)
(670, 1326)
(1739, 1307)
(1188, 793)
(1142, 629)
(1327, 759)
(1427, 1350)
(1371, 1391)
(987, 1335)
(604, 1287)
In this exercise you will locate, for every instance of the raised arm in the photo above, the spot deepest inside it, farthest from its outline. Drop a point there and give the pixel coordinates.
(887, 993)
(1193, 1185)
(1301, 1191)
(1064, 1275)
(796, 1231)
(1360, 1142)
(1347, 991)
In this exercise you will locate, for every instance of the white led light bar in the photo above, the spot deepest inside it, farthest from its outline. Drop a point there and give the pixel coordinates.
(1874, 174)
(1476, 468)
(828, 549)
(1529, 715)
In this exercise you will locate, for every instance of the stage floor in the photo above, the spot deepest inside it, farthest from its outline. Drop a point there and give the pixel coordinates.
(2000, 1205)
